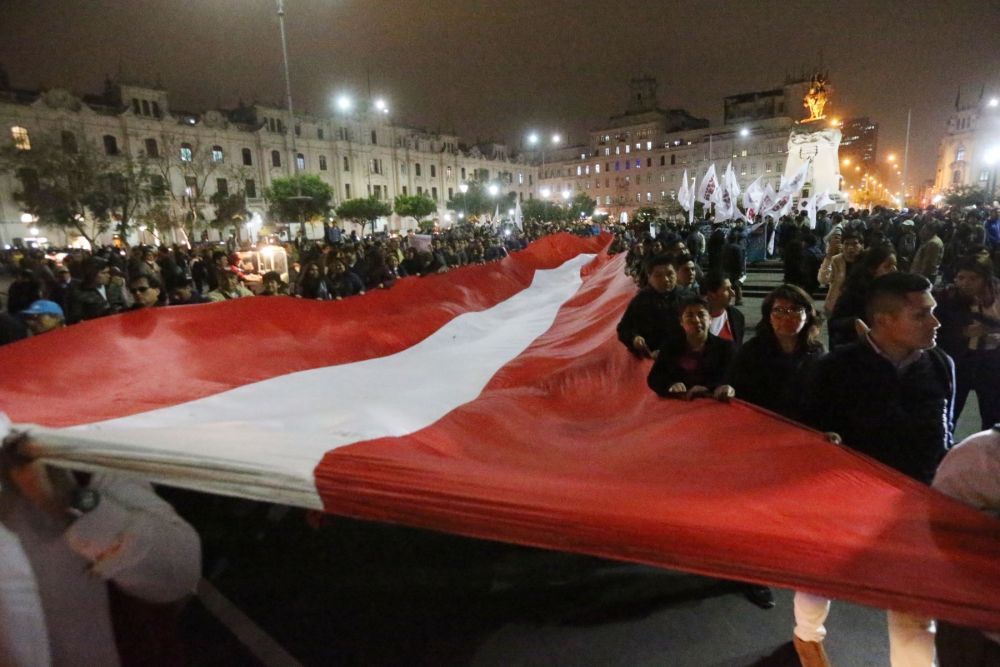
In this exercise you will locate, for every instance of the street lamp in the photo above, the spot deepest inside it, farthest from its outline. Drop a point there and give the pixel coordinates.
(546, 192)
(463, 187)
(381, 106)
(566, 194)
(745, 132)
(534, 140)
(344, 103)
(493, 189)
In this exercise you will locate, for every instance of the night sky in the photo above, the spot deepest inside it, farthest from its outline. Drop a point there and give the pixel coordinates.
(492, 69)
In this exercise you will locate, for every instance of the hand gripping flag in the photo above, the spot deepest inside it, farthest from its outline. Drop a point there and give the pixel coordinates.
(495, 401)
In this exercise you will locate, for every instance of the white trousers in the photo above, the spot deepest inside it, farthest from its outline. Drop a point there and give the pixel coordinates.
(911, 638)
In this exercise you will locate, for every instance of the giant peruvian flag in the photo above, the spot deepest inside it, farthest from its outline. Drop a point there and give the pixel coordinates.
(495, 401)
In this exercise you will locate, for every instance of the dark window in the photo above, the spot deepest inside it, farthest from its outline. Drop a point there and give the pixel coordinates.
(420, 190)
(463, 173)
(135, 106)
(152, 149)
(145, 108)
(250, 187)
(433, 171)
(405, 191)
(374, 137)
(347, 165)
(156, 110)
(322, 163)
(68, 141)
(275, 159)
(347, 190)
(451, 193)
(110, 145)
(319, 132)
(298, 130)
(418, 169)
(649, 162)
(157, 186)
(247, 157)
(29, 180)
(434, 194)
(673, 159)
(222, 186)
(663, 160)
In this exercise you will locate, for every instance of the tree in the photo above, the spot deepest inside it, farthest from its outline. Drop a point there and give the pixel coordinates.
(581, 206)
(230, 210)
(965, 195)
(415, 206)
(362, 211)
(539, 210)
(194, 163)
(60, 186)
(477, 200)
(304, 198)
(122, 192)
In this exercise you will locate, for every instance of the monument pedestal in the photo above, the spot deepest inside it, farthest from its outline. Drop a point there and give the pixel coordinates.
(820, 147)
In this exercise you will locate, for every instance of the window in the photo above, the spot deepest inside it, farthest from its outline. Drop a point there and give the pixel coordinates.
(434, 194)
(247, 157)
(157, 186)
(343, 134)
(298, 130)
(347, 163)
(374, 138)
(767, 167)
(347, 190)
(300, 161)
(145, 108)
(579, 170)
(607, 200)
(673, 159)
(110, 144)
(378, 192)
(463, 173)
(420, 190)
(68, 140)
(21, 139)
(520, 176)
(222, 186)
(447, 172)
(960, 155)
(152, 149)
(251, 188)
(275, 159)
(416, 169)
(649, 196)
(433, 171)
(405, 191)
(217, 154)
(743, 153)
(984, 175)
(451, 193)
(135, 106)
(753, 169)
(190, 186)
(322, 163)
(319, 133)
(628, 149)
(186, 153)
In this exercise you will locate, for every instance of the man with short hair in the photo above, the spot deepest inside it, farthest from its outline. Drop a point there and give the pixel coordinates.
(728, 322)
(145, 290)
(652, 317)
(230, 287)
(184, 294)
(889, 395)
(43, 316)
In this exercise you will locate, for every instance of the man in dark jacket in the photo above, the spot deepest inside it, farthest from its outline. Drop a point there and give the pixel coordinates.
(728, 322)
(651, 318)
(890, 396)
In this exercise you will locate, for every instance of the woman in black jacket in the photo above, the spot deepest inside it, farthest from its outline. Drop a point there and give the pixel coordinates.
(768, 369)
(696, 364)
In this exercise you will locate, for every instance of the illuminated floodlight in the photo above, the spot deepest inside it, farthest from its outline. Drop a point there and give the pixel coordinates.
(533, 138)
(566, 194)
(494, 190)
(27, 218)
(546, 192)
(463, 187)
(381, 105)
(34, 231)
(344, 103)
(994, 102)
(744, 132)
(992, 155)
(556, 138)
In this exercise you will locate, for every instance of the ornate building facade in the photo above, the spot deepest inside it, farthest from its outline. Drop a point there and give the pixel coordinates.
(969, 153)
(638, 158)
(358, 154)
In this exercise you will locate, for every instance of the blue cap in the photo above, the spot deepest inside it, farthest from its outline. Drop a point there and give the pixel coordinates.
(43, 307)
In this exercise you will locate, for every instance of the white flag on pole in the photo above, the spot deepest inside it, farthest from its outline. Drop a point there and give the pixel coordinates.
(752, 197)
(518, 217)
(792, 187)
(684, 193)
(709, 186)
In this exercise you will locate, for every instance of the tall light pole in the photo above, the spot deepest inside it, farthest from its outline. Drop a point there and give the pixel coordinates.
(299, 197)
(535, 140)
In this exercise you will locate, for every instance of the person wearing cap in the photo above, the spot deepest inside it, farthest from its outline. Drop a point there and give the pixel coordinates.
(43, 316)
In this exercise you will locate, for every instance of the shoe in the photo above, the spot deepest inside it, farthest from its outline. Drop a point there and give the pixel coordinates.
(760, 596)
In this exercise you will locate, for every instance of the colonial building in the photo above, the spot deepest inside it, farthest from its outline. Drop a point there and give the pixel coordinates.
(638, 158)
(969, 154)
(244, 149)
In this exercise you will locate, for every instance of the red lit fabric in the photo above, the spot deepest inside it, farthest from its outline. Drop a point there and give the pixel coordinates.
(565, 448)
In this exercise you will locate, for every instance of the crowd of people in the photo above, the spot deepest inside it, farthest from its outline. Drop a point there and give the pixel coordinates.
(47, 294)
(912, 308)
(913, 312)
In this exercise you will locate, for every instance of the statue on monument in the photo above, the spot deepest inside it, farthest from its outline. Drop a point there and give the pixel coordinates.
(817, 97)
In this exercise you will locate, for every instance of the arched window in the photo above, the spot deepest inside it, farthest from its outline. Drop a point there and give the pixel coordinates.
(156, 110)
(187, 153)
(247, 157)
(145, 107)
(110, 145)
(152, 148)
(68, 141)
(21, 139)
(275, 159)
(960, 154)
(217, 154)
(300, 161)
